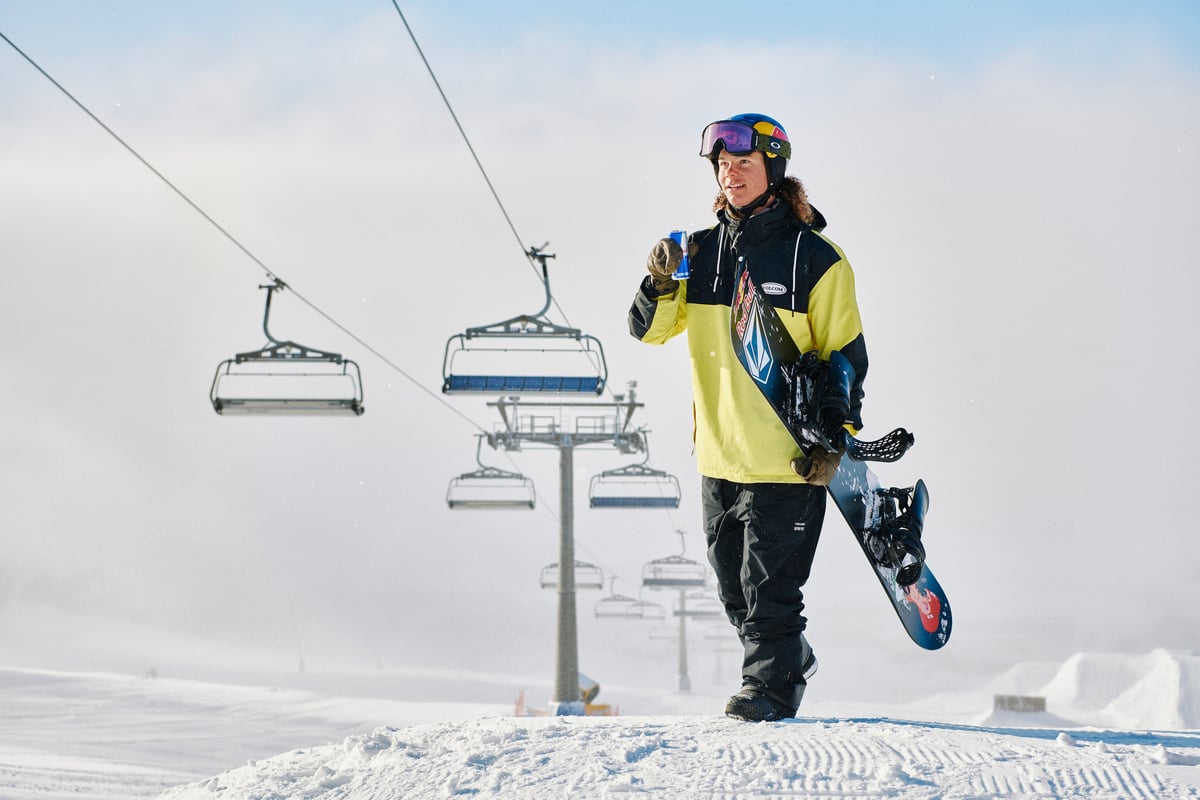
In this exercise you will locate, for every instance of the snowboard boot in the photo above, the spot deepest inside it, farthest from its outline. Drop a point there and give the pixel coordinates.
(753, 703)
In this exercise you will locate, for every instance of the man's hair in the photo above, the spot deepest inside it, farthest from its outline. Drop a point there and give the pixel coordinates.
(790, 191)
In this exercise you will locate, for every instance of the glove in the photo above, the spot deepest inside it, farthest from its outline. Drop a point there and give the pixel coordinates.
(664, 259)
(818, 467)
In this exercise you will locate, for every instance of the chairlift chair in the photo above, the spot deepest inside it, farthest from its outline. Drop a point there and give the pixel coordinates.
(620, 606)
(634, 486)
(284, 378)
(636, 609)
(536, 355)
(673, 572)
(587, 576)
(490, 488)
(698, 605)
(617, 606)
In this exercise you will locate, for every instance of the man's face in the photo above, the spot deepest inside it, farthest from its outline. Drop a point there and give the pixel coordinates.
(742, 178)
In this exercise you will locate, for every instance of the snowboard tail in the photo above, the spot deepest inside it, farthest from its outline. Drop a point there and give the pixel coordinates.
(811, 398)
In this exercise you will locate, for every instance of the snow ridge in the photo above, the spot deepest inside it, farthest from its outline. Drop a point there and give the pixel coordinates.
(533, 758)
(1160, 689)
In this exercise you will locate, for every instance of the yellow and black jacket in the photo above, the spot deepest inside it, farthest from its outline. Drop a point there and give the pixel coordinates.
(808, 280)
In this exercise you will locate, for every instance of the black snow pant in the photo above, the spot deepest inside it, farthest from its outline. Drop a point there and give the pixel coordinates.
(762, 538)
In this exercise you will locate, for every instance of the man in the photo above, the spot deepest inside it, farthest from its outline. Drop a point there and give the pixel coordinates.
(763, 500)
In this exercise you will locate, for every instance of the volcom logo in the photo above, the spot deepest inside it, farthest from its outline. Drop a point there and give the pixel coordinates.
(758, 355)
(770, 287)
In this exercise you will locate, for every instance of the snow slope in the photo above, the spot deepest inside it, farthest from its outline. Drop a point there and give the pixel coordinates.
(103, 735)
(1157, 690)
(681, 757)
(236, 728)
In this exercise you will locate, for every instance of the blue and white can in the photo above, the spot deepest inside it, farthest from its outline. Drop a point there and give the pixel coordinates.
(681, 239)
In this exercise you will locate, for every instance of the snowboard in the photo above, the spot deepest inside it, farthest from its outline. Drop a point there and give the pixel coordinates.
(766, 351)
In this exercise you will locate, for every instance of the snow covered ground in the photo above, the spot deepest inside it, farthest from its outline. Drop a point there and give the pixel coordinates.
(1115, 726)
(693, 756)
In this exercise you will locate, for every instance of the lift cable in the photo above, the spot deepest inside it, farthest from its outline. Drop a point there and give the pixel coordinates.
(270, 273)
(463, 133)
(528, 253)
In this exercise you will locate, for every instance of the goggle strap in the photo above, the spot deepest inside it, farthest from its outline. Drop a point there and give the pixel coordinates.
(785, 148)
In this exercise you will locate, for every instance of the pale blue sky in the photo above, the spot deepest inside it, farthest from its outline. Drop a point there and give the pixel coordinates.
(942, 32)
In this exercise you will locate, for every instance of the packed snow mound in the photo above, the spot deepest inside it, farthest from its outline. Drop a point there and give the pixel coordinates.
(526, 758)
(1159, 690)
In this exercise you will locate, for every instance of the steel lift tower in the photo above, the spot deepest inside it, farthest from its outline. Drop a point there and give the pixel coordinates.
(567, 425)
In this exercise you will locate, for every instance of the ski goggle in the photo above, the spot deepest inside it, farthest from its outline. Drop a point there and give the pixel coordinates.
(738, 138)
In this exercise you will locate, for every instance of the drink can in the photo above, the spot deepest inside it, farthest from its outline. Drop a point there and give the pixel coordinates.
(681, 238)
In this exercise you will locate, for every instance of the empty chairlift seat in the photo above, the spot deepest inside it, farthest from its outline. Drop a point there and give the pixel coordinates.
(634, 486)
(524, 354)
(619, 606)
(587, 576)
(534, 357)
(490, 488)
(616, 606)
(286, 378)
(698, 605)
(673, 572)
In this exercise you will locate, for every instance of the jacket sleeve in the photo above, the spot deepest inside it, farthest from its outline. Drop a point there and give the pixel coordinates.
(836, 325)
(655, 318)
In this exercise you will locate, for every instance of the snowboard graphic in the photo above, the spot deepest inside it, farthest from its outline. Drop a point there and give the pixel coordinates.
(768, 353)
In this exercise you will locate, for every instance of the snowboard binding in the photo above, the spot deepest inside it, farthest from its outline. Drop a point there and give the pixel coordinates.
(819, 405)
(896, 543)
